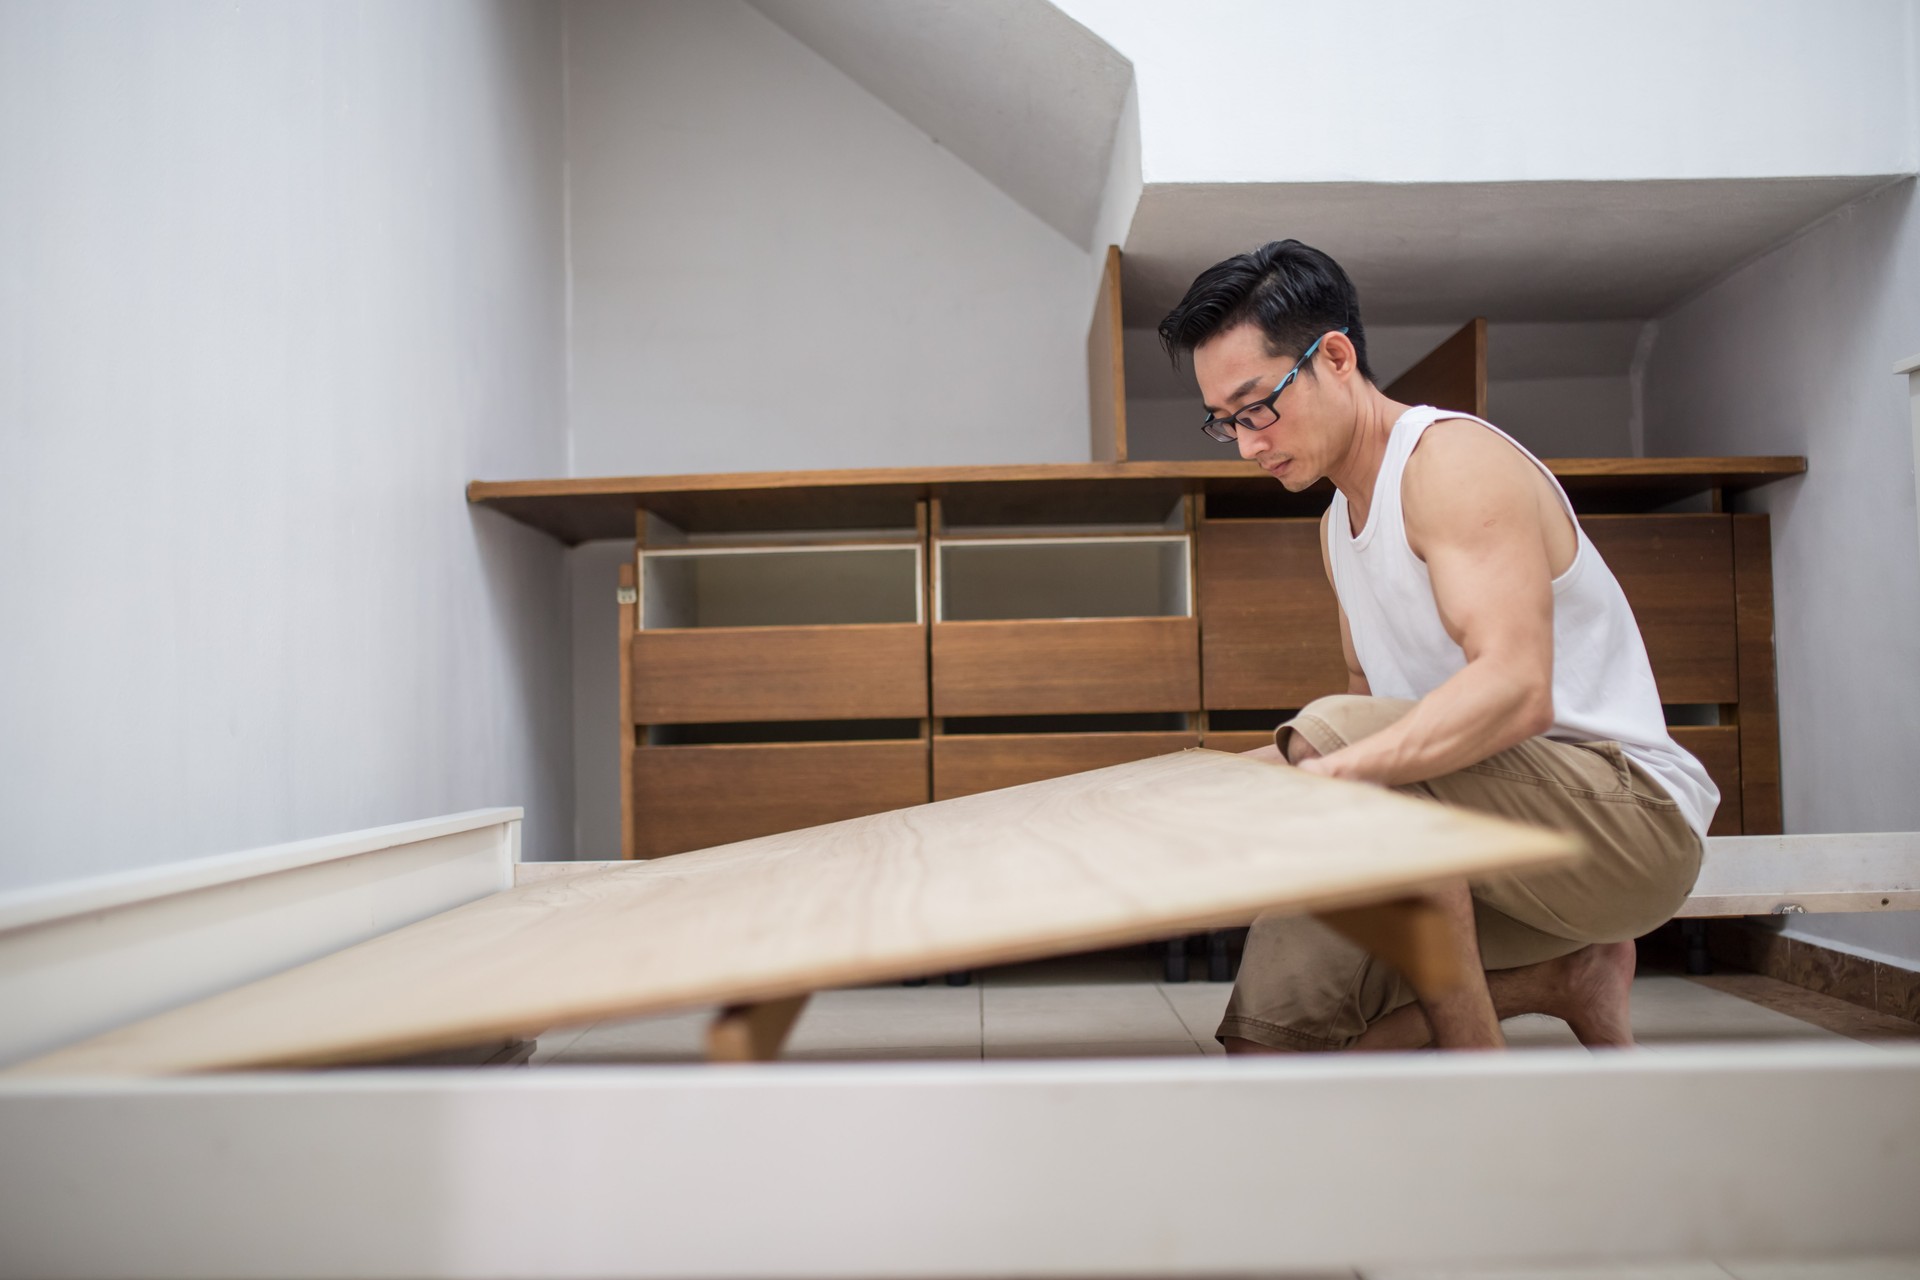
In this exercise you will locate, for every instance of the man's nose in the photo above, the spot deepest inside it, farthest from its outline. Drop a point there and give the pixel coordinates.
(1249, 442)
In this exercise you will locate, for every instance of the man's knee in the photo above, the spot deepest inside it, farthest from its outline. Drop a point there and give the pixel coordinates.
(1327, 724)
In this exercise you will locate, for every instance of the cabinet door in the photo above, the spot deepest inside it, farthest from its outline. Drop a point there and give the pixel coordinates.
(1269, 624)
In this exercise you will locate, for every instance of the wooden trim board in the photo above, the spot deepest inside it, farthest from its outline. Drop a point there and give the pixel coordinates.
(1106, 368)
(1451, 376)
(1491, 1161)
(78, 959)
(1104, 858)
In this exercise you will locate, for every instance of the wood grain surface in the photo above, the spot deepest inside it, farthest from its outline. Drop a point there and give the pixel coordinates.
(1677, 572)
(1066, 666)
(714, 675)
(1758, 710)
(577, 510)
(1717, 748)
(1269, 623)
(1116, 856)
(695, 797)
(965, 764)
(1451, 376)
(1106, 368)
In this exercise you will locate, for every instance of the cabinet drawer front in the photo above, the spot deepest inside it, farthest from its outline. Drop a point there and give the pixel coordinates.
(1677, 572)
(696, 797)
(963, 765)
(1074, 667)
(1269, 626)
(780, 673)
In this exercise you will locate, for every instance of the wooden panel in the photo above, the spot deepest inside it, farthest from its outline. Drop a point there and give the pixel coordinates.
(964, 764)
(1717, 748)
(1066, 667)
(1451, 376)
(1759, 709)
(1107, 858)
(1106, 367)
(1237, 740)
(628, 582)
(694, 797)
(1269, 623)
(1677, 572)
(780, 673)
(576, 510)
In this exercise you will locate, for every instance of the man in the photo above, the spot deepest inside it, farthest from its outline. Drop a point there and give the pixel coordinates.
(1493, 663)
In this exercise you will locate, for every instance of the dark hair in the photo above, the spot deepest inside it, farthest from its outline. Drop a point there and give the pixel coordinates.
(1293, 292)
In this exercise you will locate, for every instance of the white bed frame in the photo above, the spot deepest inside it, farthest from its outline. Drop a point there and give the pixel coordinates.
(927, 1169)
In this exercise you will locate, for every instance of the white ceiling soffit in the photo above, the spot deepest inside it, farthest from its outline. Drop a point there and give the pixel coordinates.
(1428, 253)
(1016, 89)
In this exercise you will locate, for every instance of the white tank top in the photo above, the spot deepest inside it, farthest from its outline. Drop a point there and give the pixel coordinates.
(1603, 686)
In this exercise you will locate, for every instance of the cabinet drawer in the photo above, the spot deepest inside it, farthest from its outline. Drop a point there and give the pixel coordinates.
(1269, 626)
(1065, 667)
(873, 672)
(695, 797)
(1677, 572)
(965, 764)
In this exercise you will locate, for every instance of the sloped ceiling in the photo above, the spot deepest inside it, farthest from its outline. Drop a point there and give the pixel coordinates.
(1426, 253)
(1022, 93)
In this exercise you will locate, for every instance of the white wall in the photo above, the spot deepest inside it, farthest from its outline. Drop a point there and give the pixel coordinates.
(771, 269)
(1794, 355)
(278, 281)
(1516, 90)
(1561, 389)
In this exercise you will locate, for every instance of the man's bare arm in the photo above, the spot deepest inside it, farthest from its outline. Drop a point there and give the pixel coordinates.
(1473, 511)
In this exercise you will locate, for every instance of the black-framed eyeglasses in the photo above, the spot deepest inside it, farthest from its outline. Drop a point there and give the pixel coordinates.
(1261, 414)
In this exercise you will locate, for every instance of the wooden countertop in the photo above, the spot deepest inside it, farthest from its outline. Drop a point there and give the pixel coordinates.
(577, 510)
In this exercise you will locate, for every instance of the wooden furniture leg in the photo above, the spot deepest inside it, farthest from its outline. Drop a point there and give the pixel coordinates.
(1411, 934)
(752, 1032)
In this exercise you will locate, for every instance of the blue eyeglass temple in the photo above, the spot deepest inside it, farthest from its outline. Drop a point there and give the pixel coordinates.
(1297, 366)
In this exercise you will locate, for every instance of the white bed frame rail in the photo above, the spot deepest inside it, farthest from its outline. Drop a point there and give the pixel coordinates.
(78, 959)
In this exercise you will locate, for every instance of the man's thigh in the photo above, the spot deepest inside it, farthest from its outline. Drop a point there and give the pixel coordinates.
(1642, 856)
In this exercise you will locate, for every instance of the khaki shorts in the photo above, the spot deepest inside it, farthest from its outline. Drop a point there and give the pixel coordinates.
(1303, 986)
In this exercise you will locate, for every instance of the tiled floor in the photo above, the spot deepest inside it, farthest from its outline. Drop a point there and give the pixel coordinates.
(1115, 1006)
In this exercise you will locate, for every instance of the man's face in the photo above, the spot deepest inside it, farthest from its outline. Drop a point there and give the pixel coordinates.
(1234, 370)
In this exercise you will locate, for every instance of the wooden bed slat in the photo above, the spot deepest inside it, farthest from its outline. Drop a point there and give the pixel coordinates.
(1115, 856)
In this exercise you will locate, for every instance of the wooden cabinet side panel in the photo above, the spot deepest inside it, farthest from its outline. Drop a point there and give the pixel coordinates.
(780, 673)
(1759, 705)
(1269, 623)
(1451, 376)
(1066, 667)
(696, 797)
(1717, 747)
(1677, 573)
(964, 765)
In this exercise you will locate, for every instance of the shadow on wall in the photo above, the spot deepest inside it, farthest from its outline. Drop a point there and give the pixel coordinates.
(521, 723)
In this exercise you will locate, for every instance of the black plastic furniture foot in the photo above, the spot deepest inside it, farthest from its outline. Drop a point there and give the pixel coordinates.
(1176, 960)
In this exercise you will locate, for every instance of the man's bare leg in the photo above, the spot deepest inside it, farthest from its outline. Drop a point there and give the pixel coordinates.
(1588, 989)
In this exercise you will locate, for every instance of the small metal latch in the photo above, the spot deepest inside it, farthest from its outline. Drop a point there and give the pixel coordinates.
(627, 595)
(1789, 909)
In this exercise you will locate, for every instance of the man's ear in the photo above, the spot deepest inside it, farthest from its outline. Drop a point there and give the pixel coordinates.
(1340, 352)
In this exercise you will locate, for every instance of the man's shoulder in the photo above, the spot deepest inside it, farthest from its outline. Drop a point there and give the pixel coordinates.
(1460, 467)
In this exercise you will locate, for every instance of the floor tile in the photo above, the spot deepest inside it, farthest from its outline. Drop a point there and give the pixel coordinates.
(1078, 1014)
(673, 1037)
(889, 1018)
(1834, 1014)
(888, 1053)
(1829, 1269)
(1675, 1010)
(1182, 1048)
(1198, 1005)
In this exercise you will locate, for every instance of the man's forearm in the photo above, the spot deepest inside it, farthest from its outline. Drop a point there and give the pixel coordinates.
(1480, 711)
